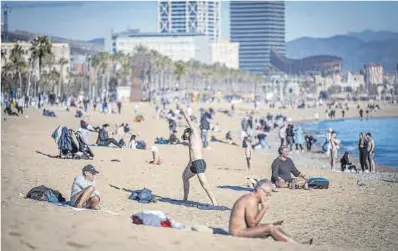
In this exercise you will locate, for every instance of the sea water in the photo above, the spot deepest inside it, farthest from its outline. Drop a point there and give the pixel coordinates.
(384, 132)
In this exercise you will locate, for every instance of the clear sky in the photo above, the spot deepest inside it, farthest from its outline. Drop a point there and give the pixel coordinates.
(87, 20)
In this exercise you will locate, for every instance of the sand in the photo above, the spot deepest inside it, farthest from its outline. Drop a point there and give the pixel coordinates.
(344, 217)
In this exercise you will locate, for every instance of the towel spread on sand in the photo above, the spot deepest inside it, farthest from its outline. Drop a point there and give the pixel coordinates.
(157, 218)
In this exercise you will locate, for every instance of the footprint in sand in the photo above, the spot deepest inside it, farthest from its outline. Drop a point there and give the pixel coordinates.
(15, 234)
(76, 245)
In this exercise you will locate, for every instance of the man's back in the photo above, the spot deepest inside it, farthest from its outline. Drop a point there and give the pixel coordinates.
(237, 220)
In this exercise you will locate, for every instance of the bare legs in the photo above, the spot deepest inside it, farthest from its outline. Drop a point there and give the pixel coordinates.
(85, 199)
(265, 230)
(203, 181)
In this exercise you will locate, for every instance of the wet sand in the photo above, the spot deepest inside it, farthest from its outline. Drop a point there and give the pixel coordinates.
(347, 216)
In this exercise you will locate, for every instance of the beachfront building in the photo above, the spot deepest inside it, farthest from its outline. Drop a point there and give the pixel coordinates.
(190, 17)
(176, 46)
(61, 52)
(258, 27)
(79, 64)
(373, 75)
(225, 53)
(323, 64)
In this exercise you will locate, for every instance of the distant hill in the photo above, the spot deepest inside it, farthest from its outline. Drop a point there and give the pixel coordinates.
(356, 48)
(98, 41)
(76, 46)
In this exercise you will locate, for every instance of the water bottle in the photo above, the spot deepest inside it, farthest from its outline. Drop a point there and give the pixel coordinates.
(293, 184)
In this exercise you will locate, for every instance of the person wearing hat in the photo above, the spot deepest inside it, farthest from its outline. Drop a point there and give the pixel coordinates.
(84, 193)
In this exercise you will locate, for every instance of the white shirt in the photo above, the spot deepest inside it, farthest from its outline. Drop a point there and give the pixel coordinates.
(79, 184)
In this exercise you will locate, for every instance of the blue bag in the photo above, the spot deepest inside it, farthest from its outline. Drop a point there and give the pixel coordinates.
(318, 183)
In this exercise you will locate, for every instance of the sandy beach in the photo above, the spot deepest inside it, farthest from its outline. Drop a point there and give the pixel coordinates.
(344, 217)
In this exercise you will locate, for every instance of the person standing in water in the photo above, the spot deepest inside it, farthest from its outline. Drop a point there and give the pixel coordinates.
(196, 164)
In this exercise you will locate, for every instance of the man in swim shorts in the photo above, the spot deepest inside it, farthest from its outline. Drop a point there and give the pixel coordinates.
(196, 165)
(249, 210)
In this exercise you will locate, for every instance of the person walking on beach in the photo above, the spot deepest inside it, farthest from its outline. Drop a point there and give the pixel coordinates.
(248, 152)
(282, 134)
(196, 164)
(333, 151)
(299, 138)
(249, 210)
(363, 152)
(84, 193)
(371, 152)
(290, 136)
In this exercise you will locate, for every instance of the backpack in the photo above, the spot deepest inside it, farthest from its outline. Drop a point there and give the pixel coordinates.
(318, 183)
(43, 193)
(142, 196)
(140, 145)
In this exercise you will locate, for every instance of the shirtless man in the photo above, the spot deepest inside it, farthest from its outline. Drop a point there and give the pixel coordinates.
(246, 216)
(333, 151)
(196, 165)
(371, 152)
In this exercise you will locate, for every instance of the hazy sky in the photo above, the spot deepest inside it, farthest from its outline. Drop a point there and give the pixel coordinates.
(89, 20)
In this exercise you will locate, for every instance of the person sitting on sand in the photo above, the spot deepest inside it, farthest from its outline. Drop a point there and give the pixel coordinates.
(283, 167)
(246, 216)
(346, 164)
(196, 164)
(103, 138)
(84, 192)
(133, 142)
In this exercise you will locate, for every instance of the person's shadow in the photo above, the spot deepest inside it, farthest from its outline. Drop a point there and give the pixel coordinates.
(188, 203)
(237, 188)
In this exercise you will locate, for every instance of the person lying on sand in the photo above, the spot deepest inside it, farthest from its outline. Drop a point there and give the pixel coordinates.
(196, 164)
(283, 167)
(84, 193)
(246, 216)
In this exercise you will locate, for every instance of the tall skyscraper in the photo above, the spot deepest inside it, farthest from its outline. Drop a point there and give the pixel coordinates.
(190, 17)
(258, 27)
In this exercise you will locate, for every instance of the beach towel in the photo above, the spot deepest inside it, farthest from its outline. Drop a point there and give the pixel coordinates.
(156, 219)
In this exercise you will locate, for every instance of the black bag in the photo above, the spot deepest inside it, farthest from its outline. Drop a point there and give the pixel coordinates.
(41, 193)
(318, 183)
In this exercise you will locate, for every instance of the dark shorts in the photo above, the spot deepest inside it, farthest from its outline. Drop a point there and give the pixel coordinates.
(198, 166)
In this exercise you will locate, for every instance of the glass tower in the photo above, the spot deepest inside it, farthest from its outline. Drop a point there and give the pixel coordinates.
(190, 17)
(258, 27)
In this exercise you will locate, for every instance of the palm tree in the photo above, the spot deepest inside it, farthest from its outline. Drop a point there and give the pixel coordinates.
(41, 49)
(62, 62)
(19, 63)
(101, 62)
(179, 72)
